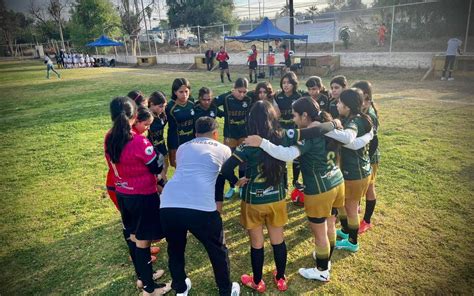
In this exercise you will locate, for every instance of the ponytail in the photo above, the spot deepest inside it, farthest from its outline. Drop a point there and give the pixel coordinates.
(353, 98)
(121, 132)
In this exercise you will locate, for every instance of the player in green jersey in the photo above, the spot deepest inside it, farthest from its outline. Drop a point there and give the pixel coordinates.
(338, 84)
(263, 195)
(289, 93)
(317, 92)
(236, 106)
(368, 107)
(355, 166)
(180, 114)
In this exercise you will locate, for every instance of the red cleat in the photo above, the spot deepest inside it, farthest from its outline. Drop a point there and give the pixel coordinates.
(281, 283)
(154, 250)
(247, 280)
(364, 226)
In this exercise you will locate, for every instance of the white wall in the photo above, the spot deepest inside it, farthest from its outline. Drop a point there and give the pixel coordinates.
(408, 60)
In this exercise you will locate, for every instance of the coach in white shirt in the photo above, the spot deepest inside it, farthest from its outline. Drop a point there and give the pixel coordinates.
(188, 204)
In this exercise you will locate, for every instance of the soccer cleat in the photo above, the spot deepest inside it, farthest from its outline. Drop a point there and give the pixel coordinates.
(314, 274)
(281, 283)
(230, 193)
(188, 287)
(443, 78)
(364, 226)
(450, 79)
(247, 280)
(329, 263)
(235, 289)
(345, 244)
(342, 234)
(154, 250)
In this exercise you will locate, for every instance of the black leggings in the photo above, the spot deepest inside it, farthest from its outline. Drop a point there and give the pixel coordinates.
(207, 228)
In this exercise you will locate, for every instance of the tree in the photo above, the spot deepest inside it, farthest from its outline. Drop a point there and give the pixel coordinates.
(55, 10)
(199, 12)
(285, 10)
(312, 11)
(131, 16)
(14, 27)
(92, 18)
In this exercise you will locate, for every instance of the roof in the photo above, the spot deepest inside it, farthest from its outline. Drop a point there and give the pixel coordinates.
(104, 41)
(266, 31)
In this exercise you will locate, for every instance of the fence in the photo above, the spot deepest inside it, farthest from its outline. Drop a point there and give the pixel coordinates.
(418, 27)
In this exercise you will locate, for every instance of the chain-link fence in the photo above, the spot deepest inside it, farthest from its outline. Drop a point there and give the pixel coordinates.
(419, 27)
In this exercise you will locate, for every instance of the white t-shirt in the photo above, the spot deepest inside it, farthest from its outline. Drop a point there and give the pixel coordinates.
(453, 45)
(198, 163)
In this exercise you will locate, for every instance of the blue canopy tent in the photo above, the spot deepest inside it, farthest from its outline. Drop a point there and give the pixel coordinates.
(266, 32)
(104, 41)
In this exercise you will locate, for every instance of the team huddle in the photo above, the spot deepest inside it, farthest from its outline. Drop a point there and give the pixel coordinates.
(330, 136)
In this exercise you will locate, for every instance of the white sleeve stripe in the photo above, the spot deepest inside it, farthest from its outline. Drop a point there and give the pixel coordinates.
(151, 160)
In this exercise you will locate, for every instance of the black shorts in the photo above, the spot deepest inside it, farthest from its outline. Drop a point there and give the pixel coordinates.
(288, 62)
(223, 65)
(253, 65)
(141, 215)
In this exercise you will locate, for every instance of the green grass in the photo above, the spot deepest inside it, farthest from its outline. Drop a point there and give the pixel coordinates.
(60, 234)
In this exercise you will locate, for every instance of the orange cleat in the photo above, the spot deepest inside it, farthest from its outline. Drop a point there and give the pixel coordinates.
(247, 280)
(364, 226)
(281, 283)
(154, 250)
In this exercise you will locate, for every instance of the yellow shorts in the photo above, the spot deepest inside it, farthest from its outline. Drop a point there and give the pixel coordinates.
(274, 214)
(233, 143)
(373, 175)
(172, 157)
(320, 205)
(356, 189)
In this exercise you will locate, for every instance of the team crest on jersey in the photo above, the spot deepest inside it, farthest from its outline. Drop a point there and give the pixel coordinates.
(192, 111)
(212, 114)
(290, 133)
(149, 150)
(244, 104)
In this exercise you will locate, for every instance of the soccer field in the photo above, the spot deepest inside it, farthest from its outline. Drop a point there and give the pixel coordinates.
(60, 233)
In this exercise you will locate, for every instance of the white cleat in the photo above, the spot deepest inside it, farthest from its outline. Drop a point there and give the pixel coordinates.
(188, 287)
(235, 289)
(314, 274)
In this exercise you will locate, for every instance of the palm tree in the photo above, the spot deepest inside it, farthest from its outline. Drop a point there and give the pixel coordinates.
(312, 11)
(285, 10)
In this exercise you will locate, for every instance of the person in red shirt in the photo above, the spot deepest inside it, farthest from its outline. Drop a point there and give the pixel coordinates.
(132, 158)
(381, 34)
(222, 58)
(252, 60)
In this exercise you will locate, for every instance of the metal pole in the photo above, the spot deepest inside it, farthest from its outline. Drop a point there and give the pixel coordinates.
(263, 8)
(199, 40)
(146, 28)
(391, 30)
(467, 26)
(139, 45)
(334, 35)
(223, 30)
(250, 19)
(156, 50)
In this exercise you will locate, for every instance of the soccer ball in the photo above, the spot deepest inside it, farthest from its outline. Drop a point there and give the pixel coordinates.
(291, 52)
(249, 52)
(297, 197)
